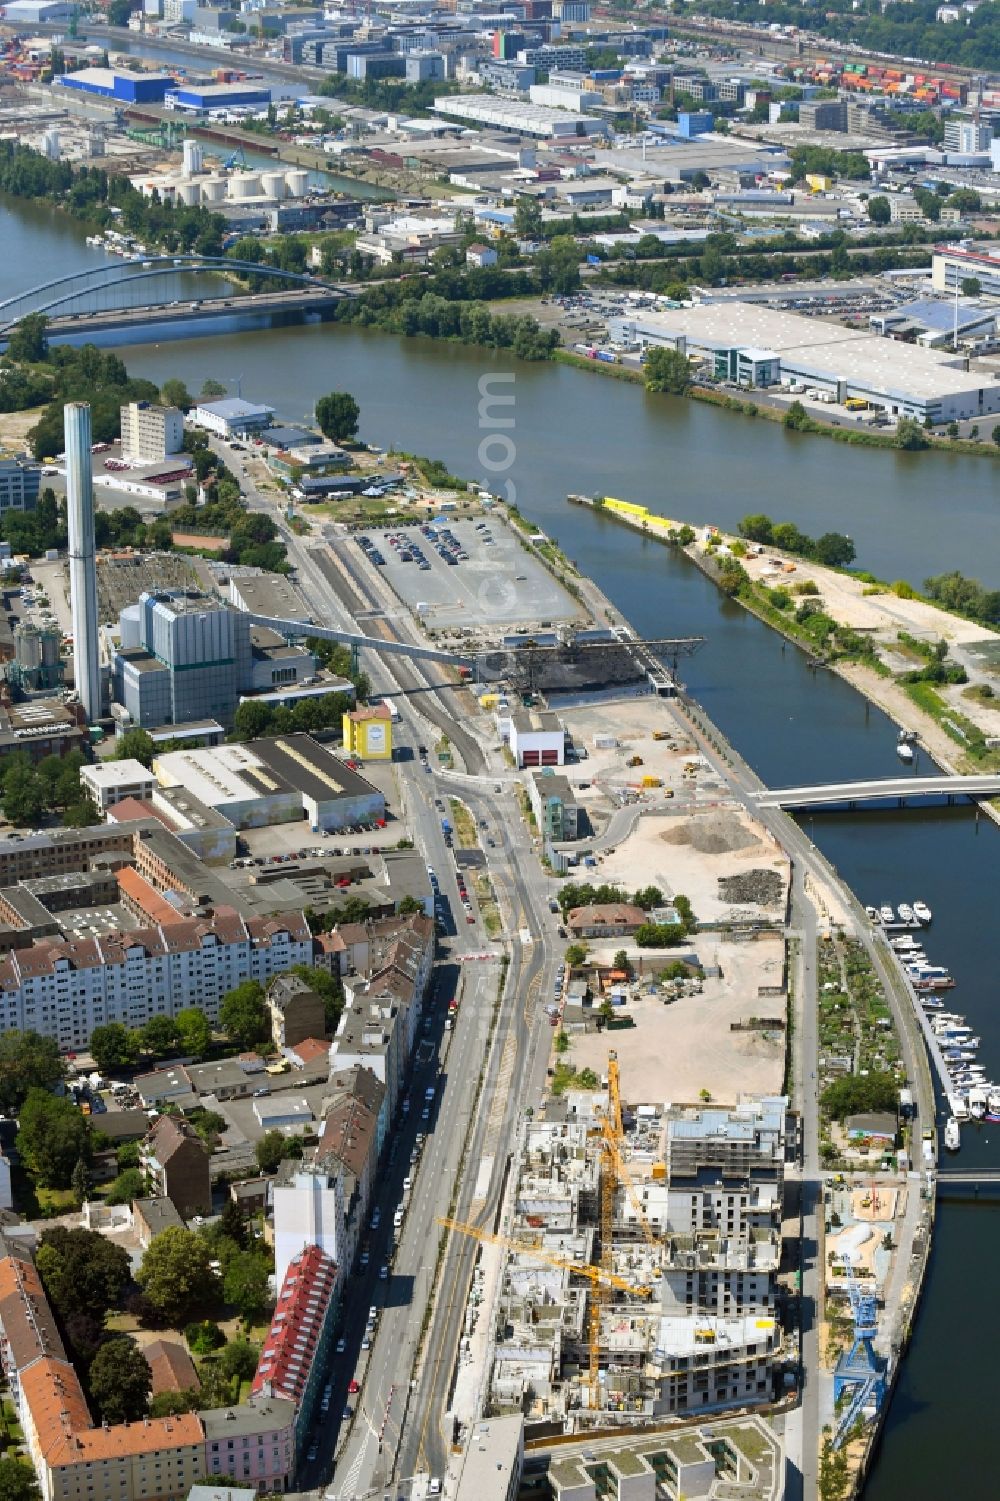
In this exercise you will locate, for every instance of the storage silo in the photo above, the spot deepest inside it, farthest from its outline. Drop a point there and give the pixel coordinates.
(244, 185)
(213, 189)
(298, 183)
(273, 184)
(193, 158)
(189, 193)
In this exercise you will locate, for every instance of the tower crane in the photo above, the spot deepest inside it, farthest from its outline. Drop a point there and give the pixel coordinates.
(595, 1274)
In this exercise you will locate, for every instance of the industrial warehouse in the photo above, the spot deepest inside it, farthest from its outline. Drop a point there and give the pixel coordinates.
(762, 346)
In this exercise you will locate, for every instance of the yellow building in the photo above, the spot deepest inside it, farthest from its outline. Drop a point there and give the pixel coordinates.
(368, 733)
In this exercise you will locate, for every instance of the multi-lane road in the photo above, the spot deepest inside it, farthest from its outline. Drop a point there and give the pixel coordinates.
(485, 1071)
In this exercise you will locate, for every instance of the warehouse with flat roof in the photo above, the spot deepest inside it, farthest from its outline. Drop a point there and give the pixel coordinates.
(747, 342)
(271, 781)
(110, 83)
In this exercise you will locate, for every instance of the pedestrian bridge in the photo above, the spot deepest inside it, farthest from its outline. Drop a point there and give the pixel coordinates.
(882, 792)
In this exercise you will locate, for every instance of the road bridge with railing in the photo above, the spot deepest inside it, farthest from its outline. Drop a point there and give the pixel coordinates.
(882, 792)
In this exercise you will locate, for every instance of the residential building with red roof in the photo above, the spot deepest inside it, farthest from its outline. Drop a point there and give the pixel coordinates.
(297, 1351)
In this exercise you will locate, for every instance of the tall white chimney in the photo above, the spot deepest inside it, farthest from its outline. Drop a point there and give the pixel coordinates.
(82, 560)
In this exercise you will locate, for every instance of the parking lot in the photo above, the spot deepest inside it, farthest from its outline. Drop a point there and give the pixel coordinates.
(492, 580)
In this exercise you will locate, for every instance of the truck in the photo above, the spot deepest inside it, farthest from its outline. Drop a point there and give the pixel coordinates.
(445, 826)
(394, 714)
(905, 1104)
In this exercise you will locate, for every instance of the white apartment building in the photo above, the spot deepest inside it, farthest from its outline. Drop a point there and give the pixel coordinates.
(309, 1211)
(150, 433)
(64, 988)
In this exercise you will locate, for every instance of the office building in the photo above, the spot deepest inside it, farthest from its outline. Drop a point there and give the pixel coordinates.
(20, 481)
(967, 137)
(823, 114)
(556, 811)
(151, 433)
(107, 782)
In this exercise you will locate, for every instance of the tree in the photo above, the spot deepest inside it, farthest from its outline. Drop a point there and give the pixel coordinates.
(17, 1482)
(176, 1274)
(27, 1061)
(796, 419)
(245, 1282)
(82, 1272)
(27, 341)
(23, 802)
(757, 527)
(338, 415)
(120, 1381)
(176, 394)
(834, 549)
(114, 1045)
(233, 1225)
(160, 1035)
(667, 370)
(238, 1360)
(170, 1404)
(127, 1187)
(80, 1181)
(273, 1148)
(879, 209)
(212, 389)
(243, 1014)
(910, 435)
(194, 1031)
(995, 435)
(136, 745)
(857, 1094)
(622, 961)
(575, 955)
(51, 1137)
(971, 286)
(252, 720)
(527, 218)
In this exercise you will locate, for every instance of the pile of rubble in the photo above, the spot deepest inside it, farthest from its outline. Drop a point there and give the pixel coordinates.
(762, 888)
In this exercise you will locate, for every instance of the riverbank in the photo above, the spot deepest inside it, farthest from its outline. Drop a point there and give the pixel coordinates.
(879, 637)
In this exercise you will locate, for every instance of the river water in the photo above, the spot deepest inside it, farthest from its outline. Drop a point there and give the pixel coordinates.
(909, 515)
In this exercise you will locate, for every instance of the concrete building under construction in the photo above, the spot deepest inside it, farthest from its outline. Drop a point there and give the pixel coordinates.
(640, 1253)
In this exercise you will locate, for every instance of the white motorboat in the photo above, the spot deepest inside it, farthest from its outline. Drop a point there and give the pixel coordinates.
(994, 1101)
(922, 912)
(872, 914)
(905, 912)
(905, 752)
(886, 913)
(958, 1107)
(952, 1134)
(977, 1103)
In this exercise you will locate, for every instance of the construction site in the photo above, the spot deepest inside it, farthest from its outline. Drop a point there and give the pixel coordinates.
(634, 1276)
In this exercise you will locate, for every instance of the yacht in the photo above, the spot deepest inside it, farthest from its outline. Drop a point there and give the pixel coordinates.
(958, 1107)
(952, 1134)
(994, 1101)
(886, 913)
(977, 1103)
(904, 751)
(905, 912)
(922, 912)
(872, 914)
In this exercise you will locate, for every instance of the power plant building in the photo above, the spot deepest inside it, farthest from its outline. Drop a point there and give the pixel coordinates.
(186, 656)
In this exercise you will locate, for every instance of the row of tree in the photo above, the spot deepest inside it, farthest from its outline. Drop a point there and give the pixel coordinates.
(834, 549)
(29, 791)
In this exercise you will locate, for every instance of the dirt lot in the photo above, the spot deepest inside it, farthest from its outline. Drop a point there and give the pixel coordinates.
(692, 854)
(674, 1051)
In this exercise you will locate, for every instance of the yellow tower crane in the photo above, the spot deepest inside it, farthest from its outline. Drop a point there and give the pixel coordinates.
(564, 1263)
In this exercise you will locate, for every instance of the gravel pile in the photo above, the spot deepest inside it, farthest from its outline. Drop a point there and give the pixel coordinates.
(718, 833)
(762, 888)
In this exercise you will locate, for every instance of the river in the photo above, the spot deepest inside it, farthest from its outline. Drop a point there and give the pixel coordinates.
(910, 515)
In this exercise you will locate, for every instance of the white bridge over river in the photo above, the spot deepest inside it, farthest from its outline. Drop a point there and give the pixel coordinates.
(883, 792)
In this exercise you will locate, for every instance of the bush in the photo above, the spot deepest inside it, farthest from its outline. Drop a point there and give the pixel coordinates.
(204, 1337)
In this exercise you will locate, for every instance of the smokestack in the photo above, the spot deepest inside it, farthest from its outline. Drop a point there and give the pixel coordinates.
(82, 561)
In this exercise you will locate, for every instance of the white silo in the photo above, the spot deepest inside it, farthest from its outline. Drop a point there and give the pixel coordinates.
(273, 184)
(244, 185)
(193, 159)
(189, 193)
(82, 557)
(213, 189)
(298, 183)
(50, 145)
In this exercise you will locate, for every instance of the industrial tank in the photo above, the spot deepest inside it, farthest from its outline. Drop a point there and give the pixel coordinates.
(189, 193)
(27, 648)
(192, 158)
(244, 185)
(273, 184)
(213, 189)
(298, 183)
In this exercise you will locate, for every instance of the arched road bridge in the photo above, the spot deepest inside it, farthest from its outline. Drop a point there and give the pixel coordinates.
(882, 792)
(109, 285)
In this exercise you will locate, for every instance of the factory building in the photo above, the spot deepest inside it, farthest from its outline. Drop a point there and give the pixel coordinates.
(210, 99)
(752, 343)
(109, 83)
(273, 781)
(368, 733)
(185, 656)
(537, 739)
(150, 433)
(520, 117)
(108, 782)
(20, 480)
(232, 417)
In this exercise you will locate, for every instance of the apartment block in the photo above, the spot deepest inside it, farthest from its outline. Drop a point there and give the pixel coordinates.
(151, 433)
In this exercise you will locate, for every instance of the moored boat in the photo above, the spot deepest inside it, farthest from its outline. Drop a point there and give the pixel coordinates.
(952, 1134)
(922, 912)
